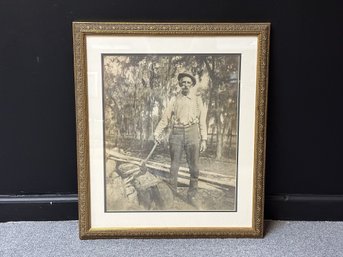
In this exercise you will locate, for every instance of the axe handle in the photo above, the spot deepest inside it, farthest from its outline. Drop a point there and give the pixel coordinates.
(152, 150)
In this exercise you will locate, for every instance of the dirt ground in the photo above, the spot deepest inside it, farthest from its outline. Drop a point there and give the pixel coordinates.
(149, 192)
(123, 196)
(208, 200)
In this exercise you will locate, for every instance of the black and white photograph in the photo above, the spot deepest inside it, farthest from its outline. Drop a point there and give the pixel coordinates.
(170, 131)
(171, 128)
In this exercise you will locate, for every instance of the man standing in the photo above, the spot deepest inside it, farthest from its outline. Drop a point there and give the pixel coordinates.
(187, 115)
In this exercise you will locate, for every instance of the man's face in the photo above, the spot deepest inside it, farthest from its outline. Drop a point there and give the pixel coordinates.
(185, 84)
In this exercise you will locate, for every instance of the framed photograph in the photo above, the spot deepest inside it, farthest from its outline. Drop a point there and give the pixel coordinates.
(171, 128)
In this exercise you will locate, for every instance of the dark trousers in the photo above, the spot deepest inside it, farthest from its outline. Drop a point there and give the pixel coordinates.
(184, 139)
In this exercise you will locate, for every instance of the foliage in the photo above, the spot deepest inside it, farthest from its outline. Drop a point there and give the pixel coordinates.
(137, 89)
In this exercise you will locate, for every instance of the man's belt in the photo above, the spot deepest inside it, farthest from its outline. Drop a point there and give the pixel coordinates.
(184, 126)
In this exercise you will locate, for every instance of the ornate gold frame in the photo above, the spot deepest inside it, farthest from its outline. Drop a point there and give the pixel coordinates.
(80, 31)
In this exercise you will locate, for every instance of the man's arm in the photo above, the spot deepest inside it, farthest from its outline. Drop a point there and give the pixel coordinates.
(202, 124)
(166, 116)
(202, 119)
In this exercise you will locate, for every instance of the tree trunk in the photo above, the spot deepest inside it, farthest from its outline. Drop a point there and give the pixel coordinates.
(229, 133)
(141, 126)
(212, 134)
(209, 111)
(147, 122)
(219, 151)
(135, 114)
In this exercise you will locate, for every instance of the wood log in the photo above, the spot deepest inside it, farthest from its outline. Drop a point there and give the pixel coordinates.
(222, 181)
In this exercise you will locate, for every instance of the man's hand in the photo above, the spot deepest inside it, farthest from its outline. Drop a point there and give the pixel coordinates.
(157, 140)
(203, 146)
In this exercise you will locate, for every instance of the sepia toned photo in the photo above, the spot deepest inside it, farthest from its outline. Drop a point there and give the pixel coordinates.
(171, 125)
(170, 131)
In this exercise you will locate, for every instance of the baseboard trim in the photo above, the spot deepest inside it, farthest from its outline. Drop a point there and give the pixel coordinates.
(47, 198)
(304, 207)
(38, 207)
(305, 198)
(65, 207)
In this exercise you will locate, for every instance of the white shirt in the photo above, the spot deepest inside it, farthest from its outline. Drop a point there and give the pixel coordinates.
(182, 111)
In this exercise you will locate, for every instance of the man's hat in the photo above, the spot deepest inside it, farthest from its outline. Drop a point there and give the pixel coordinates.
(181, 75)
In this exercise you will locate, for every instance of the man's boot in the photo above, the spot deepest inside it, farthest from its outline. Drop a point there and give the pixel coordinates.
(192, 194)
(172, 182)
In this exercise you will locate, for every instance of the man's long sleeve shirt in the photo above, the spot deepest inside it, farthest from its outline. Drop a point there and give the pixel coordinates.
(184, 111)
